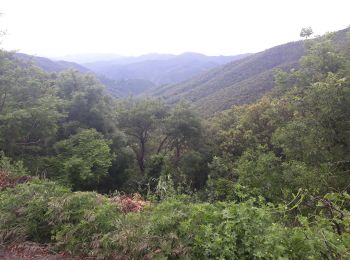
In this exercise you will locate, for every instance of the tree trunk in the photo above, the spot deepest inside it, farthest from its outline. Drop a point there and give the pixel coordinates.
(141, 157)
(160, 147)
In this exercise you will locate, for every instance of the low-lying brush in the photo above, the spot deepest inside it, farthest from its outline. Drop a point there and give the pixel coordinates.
(23, 211)
(87, 223)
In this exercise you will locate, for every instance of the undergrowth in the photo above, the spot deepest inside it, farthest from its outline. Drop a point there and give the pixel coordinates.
(95, 225)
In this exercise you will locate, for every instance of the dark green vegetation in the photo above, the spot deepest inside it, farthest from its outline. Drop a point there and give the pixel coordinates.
(239, 82)
(265, 180)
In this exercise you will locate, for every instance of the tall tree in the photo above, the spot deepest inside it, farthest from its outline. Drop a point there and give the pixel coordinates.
(183, 129)
(139, 119)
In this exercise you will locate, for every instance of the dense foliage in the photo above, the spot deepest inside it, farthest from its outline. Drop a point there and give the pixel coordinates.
(92, 225)
(264, 180)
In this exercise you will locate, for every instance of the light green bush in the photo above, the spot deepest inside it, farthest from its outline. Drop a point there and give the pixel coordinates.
(80, 219)
(23, 209)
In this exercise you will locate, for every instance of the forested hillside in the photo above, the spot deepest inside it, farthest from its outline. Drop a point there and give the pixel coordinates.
(133, 76)
(136, 178)
(239, 82)
(159, 69)
(121, 88)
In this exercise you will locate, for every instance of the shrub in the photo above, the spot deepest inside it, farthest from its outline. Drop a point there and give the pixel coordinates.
(78, 220)
(222, 189)
(153, 233)
(13, 168)
(23, 209)
(91, 224)
(229, 230)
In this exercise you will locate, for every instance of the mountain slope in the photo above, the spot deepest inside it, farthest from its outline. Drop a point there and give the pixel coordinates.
(160, 68)
(115, 88)
(50, 65)
(238, 82)
(121, 88)
(125, 88)
(241, 81)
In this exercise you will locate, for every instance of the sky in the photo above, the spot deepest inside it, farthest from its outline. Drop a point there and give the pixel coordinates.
(54, 28)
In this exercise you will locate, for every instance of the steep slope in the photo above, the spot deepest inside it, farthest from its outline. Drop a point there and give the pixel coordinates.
(241, 81)
(160, 68)
(235, 83)
(124, 88)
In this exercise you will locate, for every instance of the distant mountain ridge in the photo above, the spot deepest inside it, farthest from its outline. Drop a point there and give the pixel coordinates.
(159, 69)
(88, 57)
(50, 65)
(114, 88)
(124, 76)
(211, 83)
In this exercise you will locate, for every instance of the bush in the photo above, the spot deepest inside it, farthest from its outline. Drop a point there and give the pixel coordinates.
(91, 224)
(23, 209)
(13, 168)
(176, 228)
(153, 233)
(78, 220)
(222, 189)
(223, 231)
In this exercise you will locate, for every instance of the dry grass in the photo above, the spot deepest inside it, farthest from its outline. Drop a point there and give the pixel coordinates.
(6, 180)
(134, 203)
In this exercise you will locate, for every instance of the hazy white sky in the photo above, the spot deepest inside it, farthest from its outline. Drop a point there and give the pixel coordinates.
(133, 27)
